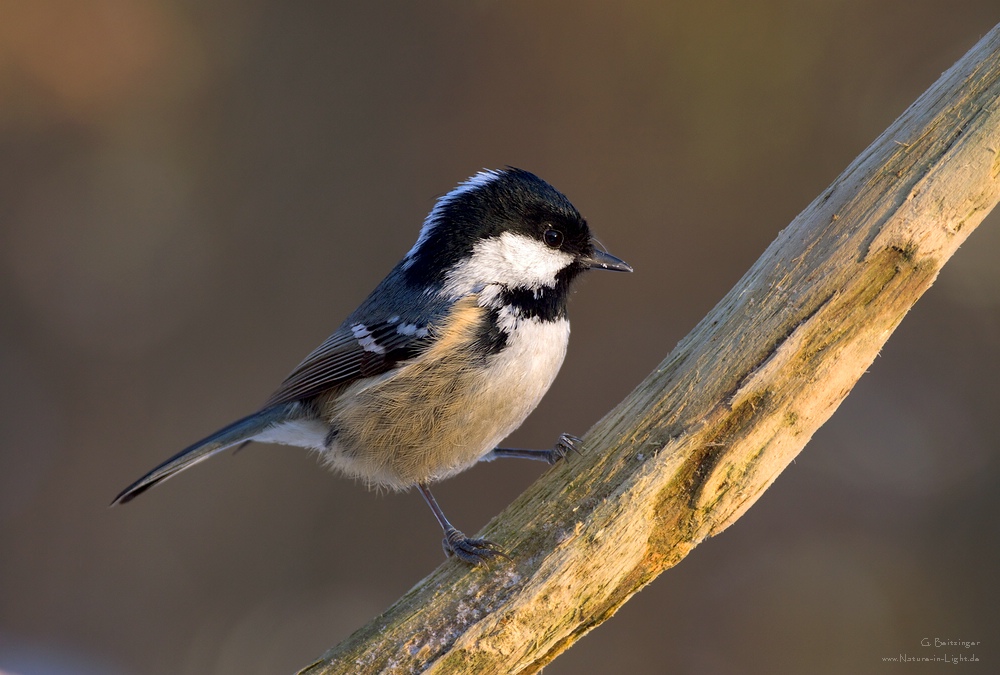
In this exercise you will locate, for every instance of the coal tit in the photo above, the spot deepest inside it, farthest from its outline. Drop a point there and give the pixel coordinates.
(445, 358)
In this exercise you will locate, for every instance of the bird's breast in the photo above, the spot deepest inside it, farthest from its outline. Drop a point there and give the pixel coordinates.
(439, 414)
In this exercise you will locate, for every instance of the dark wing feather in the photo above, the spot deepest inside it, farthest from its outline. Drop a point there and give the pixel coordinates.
(342, 358)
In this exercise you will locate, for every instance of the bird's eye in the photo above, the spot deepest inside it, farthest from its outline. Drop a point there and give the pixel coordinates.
(553, 238)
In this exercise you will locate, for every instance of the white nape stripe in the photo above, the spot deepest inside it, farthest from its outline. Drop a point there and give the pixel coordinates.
(434, 217)
(511, 260)
(365, 339)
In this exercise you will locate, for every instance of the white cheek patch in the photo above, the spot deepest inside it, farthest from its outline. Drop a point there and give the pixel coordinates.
(512, 260)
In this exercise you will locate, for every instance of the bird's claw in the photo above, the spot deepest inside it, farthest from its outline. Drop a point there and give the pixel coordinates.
(566, 444)
(473, 551)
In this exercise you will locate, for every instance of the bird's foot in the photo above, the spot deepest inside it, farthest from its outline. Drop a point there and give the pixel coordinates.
(563, 447)
(566, 444)
(472, 551)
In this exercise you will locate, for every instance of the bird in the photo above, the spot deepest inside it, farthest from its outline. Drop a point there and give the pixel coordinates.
(444, 359)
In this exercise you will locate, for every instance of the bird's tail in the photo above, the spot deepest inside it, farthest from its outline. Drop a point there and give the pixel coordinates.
(240, 431)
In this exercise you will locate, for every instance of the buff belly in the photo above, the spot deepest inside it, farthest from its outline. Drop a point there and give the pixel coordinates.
(412, 426)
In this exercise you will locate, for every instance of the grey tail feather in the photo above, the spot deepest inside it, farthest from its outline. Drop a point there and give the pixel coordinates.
(240, 431)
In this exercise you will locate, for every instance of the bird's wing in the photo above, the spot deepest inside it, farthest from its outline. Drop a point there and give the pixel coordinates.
(354, 351)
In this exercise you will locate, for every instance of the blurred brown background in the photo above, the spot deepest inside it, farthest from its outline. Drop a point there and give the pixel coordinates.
(193, 194)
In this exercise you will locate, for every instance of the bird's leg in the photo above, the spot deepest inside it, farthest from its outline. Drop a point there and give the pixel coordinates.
(472, 551)
(563, 446)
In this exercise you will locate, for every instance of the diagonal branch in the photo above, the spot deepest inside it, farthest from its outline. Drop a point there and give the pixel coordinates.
(688, 452)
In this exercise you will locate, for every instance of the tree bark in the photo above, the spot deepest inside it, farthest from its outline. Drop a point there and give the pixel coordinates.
(692, 448)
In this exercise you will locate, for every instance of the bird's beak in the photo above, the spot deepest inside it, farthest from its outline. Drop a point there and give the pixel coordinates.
(602, 260)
